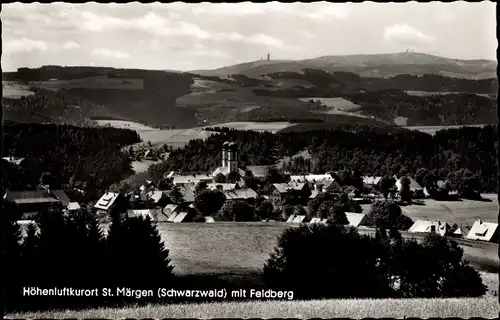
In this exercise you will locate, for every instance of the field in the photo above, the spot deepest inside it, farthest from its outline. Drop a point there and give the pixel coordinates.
(142, 166)
(425, 93)
(14, 90)
(348, 308)
(255, 126)
(243, 248)
(459, 212)
(337, 103)
(176, 138)
(432, 129)
(99, 82)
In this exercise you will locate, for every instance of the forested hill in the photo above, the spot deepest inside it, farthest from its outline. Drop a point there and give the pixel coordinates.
(72, 95)
(86, 158)
(468, 151)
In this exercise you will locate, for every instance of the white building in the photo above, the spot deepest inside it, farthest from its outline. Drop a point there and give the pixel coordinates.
(229, 160)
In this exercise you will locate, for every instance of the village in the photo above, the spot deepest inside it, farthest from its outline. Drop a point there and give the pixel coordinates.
(175, 199)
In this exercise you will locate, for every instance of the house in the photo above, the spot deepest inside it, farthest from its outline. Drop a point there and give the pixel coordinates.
(314, 194)
(371, 181)
(290, 218)
(189, 179)
(209, 219)
(73, 206)
(180, 217)
(484, 231)
(155, 196)
(187, 192)
(461, 232)
(14, 160)
(428, 226)
(280, 190)
(170, 209)
(298, 219)
(415, 188)
(29, 203)
(332, 186)
(141, 213)
(311, 178)
(315, 220)
(223, 186)
(108, 201)
(240, 194)
(356, 219)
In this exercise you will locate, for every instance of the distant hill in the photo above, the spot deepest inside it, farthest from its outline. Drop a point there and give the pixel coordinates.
(375, 65)
(312, 95)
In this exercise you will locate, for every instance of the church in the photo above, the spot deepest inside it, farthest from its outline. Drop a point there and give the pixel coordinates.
(229, 160)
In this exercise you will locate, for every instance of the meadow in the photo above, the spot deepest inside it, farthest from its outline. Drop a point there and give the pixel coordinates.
(337, 103)
(255, 126)
(15, 90)
(433, 129)
(426, 93)
(344, 308)
(98, 82)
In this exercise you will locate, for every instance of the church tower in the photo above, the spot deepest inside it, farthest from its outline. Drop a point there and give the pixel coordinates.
(232, 158)
(268, 56)
(225, 151)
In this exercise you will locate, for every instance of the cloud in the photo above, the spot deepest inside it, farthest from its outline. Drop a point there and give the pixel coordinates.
(318, 10)
(24, 45)
(405, 34)
(114, 54)
(71, 45)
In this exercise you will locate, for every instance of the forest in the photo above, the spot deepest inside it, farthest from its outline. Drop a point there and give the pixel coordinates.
(85, 158)
(369, 151)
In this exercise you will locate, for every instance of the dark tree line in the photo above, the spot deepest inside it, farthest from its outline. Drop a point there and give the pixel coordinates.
(73, 252)
(87, 158)
(464, 152)
(346, 264)
(431, 110)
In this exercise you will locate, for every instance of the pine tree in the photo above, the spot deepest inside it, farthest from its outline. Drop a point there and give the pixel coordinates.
(177, 196)
(10, 256)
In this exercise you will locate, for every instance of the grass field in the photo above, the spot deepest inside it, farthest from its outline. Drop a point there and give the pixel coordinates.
(176, 138)
(98, 82)
(255, 126)
(337, 103)
(14, 90)
(348, 308)
(244, 247)
(425, 93)
(432, 129)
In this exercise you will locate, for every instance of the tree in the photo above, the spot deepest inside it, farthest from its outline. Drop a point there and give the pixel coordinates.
(287, 211)
(137, 244)
(303, 248)
(420, 174)
(208, 202)
(265, 210)
(10, 255)
(237, 211)
(387, 215)
(405, 191)
(273, 175)
(386, 185)
(176, 195)
(435, 268)
(165, 183)
(220, 178)
(233, 177)
(202, 185)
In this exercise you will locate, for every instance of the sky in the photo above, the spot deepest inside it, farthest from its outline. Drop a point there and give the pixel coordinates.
(181, 36)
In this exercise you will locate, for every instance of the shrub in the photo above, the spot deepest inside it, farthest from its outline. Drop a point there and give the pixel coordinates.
(362, 266)
(299, 263)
